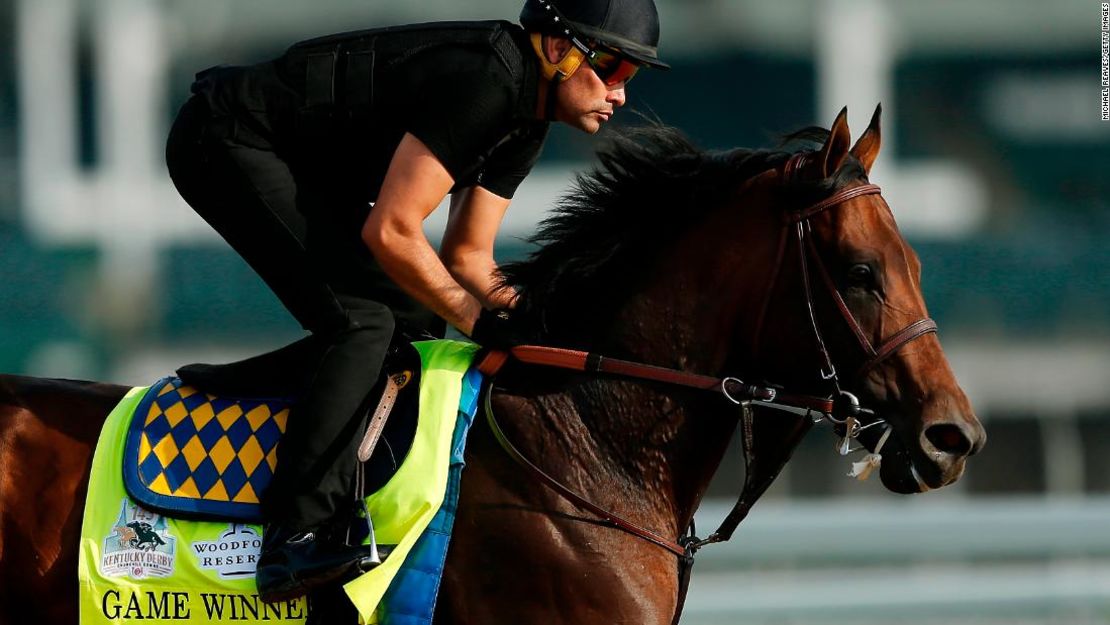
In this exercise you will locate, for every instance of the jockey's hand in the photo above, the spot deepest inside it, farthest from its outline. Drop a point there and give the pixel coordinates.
(500, 329)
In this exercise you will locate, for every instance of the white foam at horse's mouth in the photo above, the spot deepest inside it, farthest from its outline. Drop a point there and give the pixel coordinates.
(917, 477)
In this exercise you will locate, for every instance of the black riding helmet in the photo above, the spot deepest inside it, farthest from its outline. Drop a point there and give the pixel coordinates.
(630, 26)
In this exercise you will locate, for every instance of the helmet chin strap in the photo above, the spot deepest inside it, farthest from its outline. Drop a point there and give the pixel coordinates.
(555, 73)
(549, 101)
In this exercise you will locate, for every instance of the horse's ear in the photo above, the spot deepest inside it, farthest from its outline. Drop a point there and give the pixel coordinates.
(867, 146)
(835, 150)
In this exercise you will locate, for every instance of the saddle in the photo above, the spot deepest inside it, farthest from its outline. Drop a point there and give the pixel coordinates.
(203, 444)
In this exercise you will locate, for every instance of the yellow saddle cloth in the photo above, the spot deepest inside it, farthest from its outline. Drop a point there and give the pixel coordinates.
(158, 565)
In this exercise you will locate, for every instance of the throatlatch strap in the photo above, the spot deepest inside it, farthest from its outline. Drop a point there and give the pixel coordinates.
(549, 101)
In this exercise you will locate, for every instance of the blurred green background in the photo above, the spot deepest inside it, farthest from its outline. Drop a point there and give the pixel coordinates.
(994, 160)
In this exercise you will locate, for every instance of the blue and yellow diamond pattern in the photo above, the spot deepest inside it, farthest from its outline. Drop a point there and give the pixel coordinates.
(201, 455)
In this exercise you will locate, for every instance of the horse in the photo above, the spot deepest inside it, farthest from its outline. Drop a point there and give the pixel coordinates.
(695, 262)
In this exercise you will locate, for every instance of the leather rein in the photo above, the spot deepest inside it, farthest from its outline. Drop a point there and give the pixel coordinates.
(840, 407)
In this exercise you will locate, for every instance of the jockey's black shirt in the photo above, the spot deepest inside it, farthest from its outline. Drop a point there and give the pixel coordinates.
(336, 108)
(284, 158)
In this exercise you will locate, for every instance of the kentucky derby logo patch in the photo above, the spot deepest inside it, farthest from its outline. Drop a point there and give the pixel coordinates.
(139, 547)
(233, 554)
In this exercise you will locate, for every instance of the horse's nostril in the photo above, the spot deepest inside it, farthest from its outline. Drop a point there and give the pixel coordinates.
(949, 439)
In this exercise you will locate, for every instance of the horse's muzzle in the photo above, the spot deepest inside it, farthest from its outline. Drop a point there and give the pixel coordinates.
(944, 450)
(946, 445)
(934, 454)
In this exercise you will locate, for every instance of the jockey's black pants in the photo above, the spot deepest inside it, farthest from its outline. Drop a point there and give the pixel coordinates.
(324, 277)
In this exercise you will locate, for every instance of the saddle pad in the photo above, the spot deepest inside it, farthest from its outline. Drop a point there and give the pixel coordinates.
(192, 455)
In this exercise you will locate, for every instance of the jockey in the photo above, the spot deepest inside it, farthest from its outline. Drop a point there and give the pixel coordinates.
(319, 168)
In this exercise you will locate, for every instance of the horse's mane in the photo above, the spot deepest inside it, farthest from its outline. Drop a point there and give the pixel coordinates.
(650, 183)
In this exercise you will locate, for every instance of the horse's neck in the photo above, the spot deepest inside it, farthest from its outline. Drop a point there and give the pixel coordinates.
(644, 452)
(668, 441)
(652, 448)
(661, 445)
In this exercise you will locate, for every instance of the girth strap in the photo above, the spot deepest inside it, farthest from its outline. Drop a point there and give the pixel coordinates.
(393, 385)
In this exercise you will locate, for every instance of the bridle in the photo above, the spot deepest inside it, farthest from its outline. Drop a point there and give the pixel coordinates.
(839, 407)
(846, 419)
(798, 222)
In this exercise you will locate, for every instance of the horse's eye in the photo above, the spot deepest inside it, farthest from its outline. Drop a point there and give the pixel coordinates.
(860, 275)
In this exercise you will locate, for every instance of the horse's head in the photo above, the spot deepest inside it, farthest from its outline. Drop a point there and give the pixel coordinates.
(669, 255)
(845, 283)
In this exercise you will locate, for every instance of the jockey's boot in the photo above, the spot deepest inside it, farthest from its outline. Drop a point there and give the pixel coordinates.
(295, 562)
(331, 606)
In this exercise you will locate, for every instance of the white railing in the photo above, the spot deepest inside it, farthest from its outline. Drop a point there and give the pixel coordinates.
(926, 559)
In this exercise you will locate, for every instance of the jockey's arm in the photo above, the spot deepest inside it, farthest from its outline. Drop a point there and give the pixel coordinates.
(414, 185)
(467, 249)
